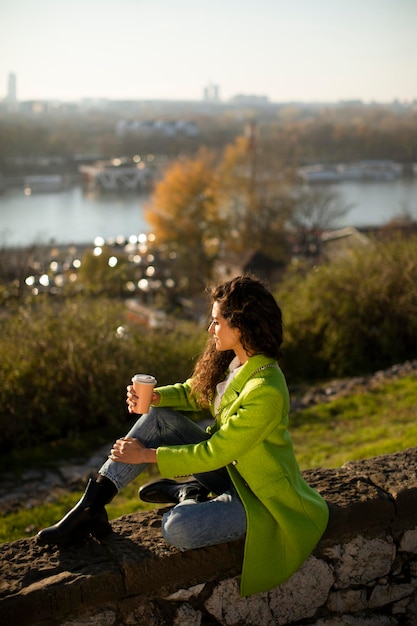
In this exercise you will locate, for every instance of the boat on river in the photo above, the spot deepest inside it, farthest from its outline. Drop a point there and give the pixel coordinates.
(369, 170)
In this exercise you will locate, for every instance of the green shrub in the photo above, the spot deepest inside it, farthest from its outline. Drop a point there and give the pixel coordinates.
(356, 314)
(64, 367)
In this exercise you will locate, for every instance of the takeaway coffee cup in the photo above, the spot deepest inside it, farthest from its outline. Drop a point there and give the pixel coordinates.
(143, 384)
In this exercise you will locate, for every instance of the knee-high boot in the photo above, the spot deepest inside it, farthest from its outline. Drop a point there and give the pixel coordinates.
(88, 517)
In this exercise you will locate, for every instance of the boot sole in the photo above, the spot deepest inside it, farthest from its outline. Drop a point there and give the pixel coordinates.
(98, 531)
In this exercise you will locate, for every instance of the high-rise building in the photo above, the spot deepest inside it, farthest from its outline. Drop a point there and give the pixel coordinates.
(12, 89)
(211, 93)
(11, 97)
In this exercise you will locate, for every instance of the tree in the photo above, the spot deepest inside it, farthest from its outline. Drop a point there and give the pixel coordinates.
(255, 198)
(354, 314)
(184, 215)
(316, 208)
(16, 265)
(103, 273)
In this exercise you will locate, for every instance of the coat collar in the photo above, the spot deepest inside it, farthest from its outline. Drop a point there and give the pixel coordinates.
(253, 364)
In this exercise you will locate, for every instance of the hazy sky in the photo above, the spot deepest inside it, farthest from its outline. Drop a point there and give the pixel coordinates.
(310, 50)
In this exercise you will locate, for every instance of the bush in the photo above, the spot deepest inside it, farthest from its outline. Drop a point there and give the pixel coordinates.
(64, 368)
(354, 315)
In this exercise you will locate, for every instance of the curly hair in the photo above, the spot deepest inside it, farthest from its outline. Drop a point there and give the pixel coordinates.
(246, 304)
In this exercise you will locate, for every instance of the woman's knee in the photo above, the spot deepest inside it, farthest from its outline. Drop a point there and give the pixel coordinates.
(176, 528)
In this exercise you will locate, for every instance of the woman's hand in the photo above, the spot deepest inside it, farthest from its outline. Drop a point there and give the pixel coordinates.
(130, 450)
(132, 398)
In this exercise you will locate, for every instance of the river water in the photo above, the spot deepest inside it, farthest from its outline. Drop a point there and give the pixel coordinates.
(74, 216)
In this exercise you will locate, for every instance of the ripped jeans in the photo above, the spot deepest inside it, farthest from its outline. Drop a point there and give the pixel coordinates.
(189, 524)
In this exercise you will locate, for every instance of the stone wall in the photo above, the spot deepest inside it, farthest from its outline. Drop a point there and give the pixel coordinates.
(363, 572)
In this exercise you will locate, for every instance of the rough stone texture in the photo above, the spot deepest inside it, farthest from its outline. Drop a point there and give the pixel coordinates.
(361, 560)
(363, 572)
(49, 583)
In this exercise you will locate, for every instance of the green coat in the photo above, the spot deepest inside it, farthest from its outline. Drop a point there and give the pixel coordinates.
(285, 517)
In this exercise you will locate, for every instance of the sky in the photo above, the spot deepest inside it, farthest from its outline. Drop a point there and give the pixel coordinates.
(287, 50)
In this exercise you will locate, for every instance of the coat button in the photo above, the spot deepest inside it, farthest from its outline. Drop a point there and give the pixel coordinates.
(234, 462)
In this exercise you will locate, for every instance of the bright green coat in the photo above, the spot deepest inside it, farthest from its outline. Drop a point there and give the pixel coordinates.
(285, 517)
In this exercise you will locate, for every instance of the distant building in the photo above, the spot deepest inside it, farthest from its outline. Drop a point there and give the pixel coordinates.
(377, 169)
(338, 243)
(168, 128)
(211, 93)
(11, 98)
(254, 262)
(12, 88)
(250, 99)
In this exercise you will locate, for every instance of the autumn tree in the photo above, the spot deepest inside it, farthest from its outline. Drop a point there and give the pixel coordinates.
(256, 196)
(247, 200)
(184, 215)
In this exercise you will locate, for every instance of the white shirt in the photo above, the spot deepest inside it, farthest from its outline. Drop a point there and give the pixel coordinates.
(234, 367)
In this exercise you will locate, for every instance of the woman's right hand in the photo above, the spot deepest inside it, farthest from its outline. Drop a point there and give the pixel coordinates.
(132, 398)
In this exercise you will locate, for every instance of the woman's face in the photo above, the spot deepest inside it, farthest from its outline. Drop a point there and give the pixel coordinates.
(225, 337)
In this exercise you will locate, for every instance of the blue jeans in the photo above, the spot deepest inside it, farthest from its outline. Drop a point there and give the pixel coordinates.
(189, 524)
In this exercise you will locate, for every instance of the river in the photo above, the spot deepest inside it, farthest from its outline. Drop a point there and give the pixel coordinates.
(73, 216)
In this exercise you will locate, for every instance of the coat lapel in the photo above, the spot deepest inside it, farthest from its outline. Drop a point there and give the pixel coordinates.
(239, 381)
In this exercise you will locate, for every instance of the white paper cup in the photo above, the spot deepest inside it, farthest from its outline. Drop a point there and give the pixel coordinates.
(143, 384)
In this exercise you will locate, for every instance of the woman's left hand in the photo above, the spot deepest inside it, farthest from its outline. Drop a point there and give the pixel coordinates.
(130, 450)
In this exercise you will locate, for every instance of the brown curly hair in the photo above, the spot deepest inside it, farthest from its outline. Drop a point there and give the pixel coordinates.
(246, 304)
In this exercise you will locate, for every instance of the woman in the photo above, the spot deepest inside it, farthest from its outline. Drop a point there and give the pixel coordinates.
(245, 459)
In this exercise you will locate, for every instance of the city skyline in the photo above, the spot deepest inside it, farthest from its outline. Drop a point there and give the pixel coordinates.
(157, 50)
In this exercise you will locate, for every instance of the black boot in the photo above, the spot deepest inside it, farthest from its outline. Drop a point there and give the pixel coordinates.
(88, 517)
(166, 490)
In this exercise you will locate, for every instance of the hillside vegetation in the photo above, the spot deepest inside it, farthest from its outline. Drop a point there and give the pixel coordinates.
(378, 421)
(65, 364)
